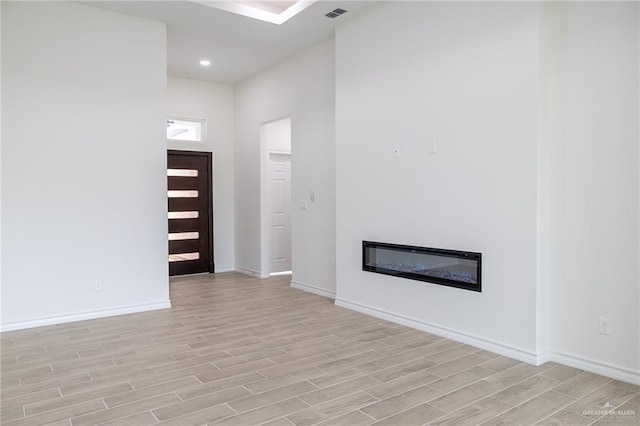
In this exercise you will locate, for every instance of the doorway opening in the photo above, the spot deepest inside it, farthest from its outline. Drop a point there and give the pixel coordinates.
(190, 212)
(275, 143)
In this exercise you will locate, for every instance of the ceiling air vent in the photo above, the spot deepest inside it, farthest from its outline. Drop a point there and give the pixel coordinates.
(335, 13)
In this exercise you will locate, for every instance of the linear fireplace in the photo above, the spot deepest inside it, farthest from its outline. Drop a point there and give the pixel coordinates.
(453, 268)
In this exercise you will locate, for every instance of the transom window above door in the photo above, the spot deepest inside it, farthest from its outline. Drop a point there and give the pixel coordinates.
(186, 129)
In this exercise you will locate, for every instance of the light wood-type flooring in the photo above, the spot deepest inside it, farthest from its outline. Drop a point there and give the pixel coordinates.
(235, 350)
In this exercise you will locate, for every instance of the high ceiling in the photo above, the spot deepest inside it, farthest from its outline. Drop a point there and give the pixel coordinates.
(237, 46)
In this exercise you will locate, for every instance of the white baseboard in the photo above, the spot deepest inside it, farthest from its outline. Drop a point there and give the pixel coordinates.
(489, 345)
(251, 272)
(313, 289)
(85, 316)
(220, 269)
(597, 367)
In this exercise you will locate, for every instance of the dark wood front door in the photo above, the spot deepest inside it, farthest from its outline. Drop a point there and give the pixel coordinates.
(190, 198)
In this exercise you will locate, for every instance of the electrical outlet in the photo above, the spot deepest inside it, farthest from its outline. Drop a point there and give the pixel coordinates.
(605, 326)
(98, 285)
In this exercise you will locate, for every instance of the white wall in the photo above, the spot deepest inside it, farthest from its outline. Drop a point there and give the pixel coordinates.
(83, 163)
(594, 174)
(214, 103)
(301, 88)
(278, 135)
(466, 75)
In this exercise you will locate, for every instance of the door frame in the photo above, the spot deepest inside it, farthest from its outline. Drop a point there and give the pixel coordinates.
(265, 198)
(209, 157)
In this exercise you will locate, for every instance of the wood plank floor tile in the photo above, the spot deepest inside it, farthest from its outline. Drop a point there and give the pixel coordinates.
(142, 419)
(526, 389)
(31, 398)
(77, 398)
(538, 408)
(402, 369)
(513, 375)
(461, 379)
(223, 355)
(90, 385)
(191, 362)
(400, 402)
(449, 368)
(338, 390)
(561, 372)
(218, 385)
(307, 350)
(217, 374)
(450, 354)
(196, 371)
(53, 384)
(123, 411)
(350, 361)
(331, 409)
(565, 418)
(416, 416)
(628, 386)
(605, 398)
(487, 354)
(405, 356)
(264, 414)
(181, 408)
(131, 395)
(60, 414)
(582, 384)
(282, 421)
(291, 367)
(197, 418)
(498, 421)
(473, 414)
(262, 384)
(500, 364)
(271, 396)
(354, 418)
(8, 414)
(402, 384)
(464, 396)
(251, 356)
(635, 400)
(329, 379)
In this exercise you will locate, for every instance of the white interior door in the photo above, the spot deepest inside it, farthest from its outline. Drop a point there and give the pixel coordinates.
(280, 182)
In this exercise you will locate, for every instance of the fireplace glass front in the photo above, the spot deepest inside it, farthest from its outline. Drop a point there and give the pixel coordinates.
(439, 266)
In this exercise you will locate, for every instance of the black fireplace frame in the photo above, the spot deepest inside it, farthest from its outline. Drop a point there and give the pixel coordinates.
(466, 255)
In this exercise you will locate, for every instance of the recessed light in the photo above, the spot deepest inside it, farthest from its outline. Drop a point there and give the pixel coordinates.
(205, 63)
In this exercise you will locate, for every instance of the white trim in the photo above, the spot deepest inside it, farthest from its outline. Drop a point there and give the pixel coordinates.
(597, 367)
(251, 272)
(458, 336)
(225, 269)
(313, 289)
(85, 316)
(543, 357)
